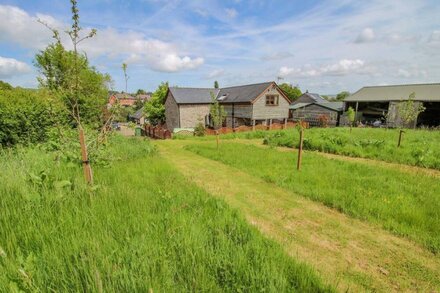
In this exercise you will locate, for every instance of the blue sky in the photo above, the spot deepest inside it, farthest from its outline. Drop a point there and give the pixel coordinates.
(322, 46)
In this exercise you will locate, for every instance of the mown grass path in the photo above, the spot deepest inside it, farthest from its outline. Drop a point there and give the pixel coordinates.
(349, 253)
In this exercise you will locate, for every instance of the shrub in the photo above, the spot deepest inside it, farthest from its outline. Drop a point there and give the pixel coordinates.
(27, 116)
(199, 130)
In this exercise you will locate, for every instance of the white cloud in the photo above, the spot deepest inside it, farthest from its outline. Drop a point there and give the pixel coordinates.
(435, 37)
(277, 56)
(412, 73)
(231, 12)
(19, 27)
(341, 68)
(366, 36)
(10, 67)
(215, 73)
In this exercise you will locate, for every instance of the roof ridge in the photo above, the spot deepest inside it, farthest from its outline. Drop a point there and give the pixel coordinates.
(193, 88)
(246, 85)
(407, 84)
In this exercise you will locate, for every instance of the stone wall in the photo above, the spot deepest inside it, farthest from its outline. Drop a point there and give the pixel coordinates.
(171, 113)
(192, 114)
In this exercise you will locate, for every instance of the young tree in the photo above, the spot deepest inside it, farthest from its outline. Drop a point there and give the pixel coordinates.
(155, 108)
(217, 113)
(409, 110)
(351, 115)
(342, 95)
(292, 92)
(216, 85)
(126, 77)
(68, 74)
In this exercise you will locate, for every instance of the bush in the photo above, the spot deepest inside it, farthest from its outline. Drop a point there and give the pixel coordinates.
(199, 130)
(27, 116)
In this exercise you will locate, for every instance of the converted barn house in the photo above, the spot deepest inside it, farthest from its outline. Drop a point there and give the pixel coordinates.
(316, 110)
(381, 103)
(252, 104)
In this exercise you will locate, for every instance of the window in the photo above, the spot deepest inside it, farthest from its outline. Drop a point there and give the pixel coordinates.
(272, 100)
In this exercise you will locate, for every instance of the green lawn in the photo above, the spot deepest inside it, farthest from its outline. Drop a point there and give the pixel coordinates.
(419, 147)
(142, 226)
(406, 204)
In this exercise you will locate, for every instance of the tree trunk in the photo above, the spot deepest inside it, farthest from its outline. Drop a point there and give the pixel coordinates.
(84, 156)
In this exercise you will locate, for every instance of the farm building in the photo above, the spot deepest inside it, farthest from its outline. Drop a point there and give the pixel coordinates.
(381, 103)
(252, 104)
(316, 110)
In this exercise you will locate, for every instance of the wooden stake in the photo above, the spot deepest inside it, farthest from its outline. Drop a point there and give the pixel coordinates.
(298, 166)
(400, 138)
(85, 161)
(216, 136)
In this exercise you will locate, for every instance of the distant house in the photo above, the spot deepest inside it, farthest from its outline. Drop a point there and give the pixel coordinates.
(314, 109)
(123, 99)
(381, 103)
(144, 97)
(137, 117)
(252, 104)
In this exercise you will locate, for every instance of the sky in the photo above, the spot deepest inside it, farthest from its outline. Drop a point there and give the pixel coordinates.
(321, 46)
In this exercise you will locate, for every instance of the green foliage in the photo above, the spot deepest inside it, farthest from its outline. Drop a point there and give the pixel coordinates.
(351, 115)
(199, 130)
(27, 116)
(5, 86)
(217, 112)
(155, 108)
(409, 110)
(140, 92)
(57, 67)
(136, 232)
(138, 104)
(216, 86)
(342, 95)
(292, 92)
(401, 202)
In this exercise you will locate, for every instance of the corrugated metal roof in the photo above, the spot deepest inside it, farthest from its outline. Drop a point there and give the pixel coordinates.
(193, 95)
(336, 106)
(424, 92)
(299, 105)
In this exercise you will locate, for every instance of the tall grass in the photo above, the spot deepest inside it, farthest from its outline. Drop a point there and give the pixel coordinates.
(143, 227)
(419, 147)
(406, 204)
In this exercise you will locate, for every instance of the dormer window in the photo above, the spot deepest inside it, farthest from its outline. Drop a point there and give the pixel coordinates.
(272, 100)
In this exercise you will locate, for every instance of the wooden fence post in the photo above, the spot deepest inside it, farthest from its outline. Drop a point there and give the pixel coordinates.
(400, 137)
(84, 157)
(253, 125)
(298, 165)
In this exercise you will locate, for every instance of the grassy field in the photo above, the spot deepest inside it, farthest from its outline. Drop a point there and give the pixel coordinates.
(406, 204)
(143, 226)
(418, 148)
